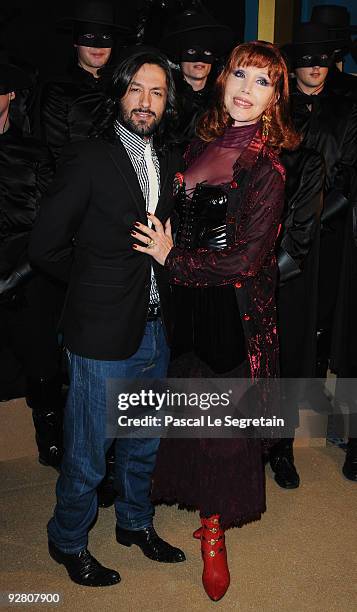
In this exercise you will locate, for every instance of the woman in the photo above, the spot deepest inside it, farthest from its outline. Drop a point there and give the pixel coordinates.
(232, 168)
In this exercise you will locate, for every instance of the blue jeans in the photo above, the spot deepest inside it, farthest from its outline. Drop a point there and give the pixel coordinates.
(86, 444)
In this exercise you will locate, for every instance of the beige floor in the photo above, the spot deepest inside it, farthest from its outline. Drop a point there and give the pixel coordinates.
(300, 557)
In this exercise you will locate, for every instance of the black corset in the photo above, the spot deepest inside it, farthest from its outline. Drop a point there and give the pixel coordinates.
(202, 218)
(218, 336)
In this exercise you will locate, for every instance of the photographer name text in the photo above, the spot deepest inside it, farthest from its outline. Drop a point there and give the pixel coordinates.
(204, 420)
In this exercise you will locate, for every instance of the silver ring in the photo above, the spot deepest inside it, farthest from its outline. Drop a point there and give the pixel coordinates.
(151, 243)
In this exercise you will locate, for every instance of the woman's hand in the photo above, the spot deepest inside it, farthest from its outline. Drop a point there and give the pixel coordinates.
(157, 243)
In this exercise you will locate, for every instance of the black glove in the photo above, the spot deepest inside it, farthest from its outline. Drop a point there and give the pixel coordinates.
(14, 280)
(288, 268)
(334, 204)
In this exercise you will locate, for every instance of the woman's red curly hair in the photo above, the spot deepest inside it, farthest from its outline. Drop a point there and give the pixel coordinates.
(259, 54)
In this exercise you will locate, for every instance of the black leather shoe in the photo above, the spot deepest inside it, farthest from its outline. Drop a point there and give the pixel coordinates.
(151, 544)
(349, 469)
(83, 568)
(282, 464)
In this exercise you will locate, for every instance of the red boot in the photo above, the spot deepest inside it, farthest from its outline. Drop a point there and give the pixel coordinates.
(215, 575)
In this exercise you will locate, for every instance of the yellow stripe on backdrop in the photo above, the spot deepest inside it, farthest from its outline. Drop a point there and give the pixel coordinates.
(276, 19)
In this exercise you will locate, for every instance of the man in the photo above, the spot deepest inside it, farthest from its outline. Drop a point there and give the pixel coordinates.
(298, 261)
(22, 107)
(195, 41)
(337, 20)
(116, 312)
(28, 348)
(328, 124)
(344, 337)
(70, 105)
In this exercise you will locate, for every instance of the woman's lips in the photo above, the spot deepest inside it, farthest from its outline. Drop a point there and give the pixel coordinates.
(242, 103)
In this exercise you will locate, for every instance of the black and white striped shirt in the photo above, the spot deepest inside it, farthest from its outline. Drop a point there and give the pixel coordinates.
(135, 147)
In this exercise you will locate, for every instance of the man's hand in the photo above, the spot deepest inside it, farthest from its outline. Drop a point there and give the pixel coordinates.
(157, 243)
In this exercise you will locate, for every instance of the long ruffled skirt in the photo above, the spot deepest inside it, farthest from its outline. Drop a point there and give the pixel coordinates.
(214, 476)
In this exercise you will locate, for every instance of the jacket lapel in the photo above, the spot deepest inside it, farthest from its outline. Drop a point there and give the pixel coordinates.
(164, 174)
(124, 166)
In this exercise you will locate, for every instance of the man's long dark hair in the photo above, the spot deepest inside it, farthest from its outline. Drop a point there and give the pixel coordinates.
(121, 77)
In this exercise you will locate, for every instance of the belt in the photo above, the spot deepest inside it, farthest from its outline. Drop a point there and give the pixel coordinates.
(154, 312)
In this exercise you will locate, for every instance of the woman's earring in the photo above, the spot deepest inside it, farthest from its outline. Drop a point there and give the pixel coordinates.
(266, 119)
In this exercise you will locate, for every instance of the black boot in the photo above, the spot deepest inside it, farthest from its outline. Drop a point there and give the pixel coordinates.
(349, 469)
(83, 568)
(106, 492)
(282, 463)
(151, 544)
(45, 398)
(323, 343)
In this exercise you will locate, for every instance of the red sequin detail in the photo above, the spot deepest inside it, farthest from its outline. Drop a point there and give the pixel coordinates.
(238, 285)
(180, 178)
(249, 256)
(234, 185)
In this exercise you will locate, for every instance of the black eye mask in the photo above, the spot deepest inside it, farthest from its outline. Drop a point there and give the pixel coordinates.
(93, 35)
(99, 41)
(197, 55)
(309, 61)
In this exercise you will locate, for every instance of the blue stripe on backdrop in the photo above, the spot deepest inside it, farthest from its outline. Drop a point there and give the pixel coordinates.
(251, 20)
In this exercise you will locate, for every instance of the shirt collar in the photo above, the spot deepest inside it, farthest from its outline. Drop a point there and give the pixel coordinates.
(133, 142)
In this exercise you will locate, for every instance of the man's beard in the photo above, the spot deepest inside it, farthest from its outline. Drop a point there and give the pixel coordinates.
(141, 129)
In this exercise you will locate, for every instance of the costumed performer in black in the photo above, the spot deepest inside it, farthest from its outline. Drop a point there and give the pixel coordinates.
(29, 301)
(328, 124)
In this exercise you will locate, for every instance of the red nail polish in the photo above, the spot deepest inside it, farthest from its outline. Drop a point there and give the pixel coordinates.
(137, 224)
(135, 246)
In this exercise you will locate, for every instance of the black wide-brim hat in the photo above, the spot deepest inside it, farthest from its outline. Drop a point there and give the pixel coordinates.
(311, 39)
(95, 12)
(336, 18)
(12, 78)
(192, 27)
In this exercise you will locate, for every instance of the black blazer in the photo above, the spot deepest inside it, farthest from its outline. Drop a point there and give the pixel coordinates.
(82, 237)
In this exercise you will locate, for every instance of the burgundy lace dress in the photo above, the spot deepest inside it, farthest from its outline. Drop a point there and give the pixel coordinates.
(226, 476)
